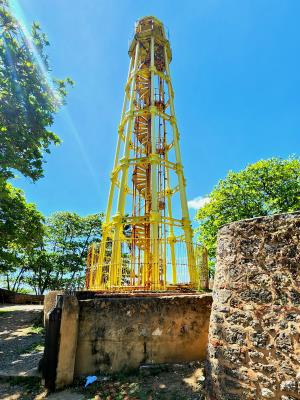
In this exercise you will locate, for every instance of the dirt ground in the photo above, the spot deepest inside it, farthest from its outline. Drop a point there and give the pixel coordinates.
(21, 338)
(177, 382)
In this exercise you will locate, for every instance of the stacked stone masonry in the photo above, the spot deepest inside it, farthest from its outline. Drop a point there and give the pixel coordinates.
(254, 336)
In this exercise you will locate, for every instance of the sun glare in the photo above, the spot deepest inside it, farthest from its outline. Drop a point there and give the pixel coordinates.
(21, 21)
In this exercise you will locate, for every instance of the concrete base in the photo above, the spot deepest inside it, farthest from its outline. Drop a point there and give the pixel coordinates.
(121, 332)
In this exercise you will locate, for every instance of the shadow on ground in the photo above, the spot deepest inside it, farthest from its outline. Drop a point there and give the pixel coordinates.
(21, 339)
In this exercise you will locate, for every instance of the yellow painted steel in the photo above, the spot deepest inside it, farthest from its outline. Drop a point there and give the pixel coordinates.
(145, 245)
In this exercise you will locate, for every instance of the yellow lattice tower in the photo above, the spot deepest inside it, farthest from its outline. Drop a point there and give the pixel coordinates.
(143, 245)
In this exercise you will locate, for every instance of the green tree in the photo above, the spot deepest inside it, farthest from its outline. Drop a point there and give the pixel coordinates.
(60, 261)
(21, 230)
(28, 98)
(264, 188)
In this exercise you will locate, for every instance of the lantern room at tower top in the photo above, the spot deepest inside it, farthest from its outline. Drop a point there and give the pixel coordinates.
(145, 245)
(147, 27)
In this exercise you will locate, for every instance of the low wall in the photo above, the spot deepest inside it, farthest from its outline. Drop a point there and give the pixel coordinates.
(254, 339)
(50, 302)
(121, 333)
(9, 297)
(118, 333)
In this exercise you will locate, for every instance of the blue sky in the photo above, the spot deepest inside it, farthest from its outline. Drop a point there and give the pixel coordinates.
(235, 73)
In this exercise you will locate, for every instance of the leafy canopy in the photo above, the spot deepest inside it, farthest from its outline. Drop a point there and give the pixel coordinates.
(57, 257)
(28, 98)
(21, 226)
(28, 101)
(60, 261)
(264, 188)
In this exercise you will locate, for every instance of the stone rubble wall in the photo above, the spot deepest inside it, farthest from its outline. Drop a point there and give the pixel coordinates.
(254, 334)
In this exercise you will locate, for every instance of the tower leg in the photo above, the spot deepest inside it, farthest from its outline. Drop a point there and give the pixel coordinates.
(171, 238)
(183, 200)
(115, 264)
(154, 200)
(98, 277)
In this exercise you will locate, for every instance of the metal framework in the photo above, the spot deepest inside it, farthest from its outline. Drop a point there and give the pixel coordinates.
(144, 244)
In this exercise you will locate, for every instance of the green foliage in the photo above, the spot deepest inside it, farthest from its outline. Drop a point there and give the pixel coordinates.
(59, 262)
(43, 255)
(35, 347)
(28, 98)
(264, 188)
(21, 227)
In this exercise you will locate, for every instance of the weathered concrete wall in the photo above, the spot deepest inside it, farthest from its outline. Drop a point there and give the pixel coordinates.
(50, 302)
(254, 342)
(68, 341)
(60, 342)
(52, 344)
(121, 333)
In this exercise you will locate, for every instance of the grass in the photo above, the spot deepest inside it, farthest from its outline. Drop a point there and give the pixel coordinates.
(34, 347)
(29, 386)
(37, 327)
(37, 330)
(4, 313)
(29, 382)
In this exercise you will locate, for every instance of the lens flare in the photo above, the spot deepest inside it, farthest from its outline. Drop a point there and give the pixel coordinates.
(21, 21)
